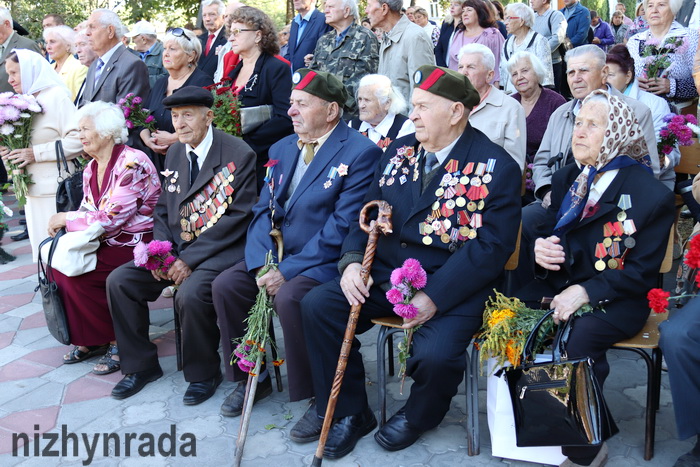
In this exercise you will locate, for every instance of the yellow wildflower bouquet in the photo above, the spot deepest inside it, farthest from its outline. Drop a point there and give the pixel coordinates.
(507, 325)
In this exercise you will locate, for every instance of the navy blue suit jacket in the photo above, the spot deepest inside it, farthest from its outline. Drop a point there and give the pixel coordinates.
(320, 212)
(209, 62)
(459, 281)
(314, 30)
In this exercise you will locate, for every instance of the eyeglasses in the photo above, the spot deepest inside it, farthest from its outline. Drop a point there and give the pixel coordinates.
(179, 32)
(511, 18)
(237, 31)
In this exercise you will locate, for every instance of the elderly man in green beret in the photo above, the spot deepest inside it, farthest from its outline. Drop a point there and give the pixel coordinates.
(313, 194)
(456, 209)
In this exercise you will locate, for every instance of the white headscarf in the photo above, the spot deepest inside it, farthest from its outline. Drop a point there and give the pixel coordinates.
(36, 73)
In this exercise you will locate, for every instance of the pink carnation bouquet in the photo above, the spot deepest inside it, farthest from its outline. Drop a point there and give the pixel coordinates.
(678, 130)
(406, 281)
(154, 256)
(135, 114)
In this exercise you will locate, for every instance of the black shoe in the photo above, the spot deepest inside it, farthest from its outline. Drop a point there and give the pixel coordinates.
(20, 236)
(202, 390)
(346, 431)
(397, 433)
(233, 405)
(308, 428)
(688, 460)
(23, 222)
(134, 382)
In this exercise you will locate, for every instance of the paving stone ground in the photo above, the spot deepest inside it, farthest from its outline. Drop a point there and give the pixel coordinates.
(40, 396)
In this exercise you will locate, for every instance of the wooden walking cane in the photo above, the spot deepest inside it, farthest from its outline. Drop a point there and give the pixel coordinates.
(252, 383)
(373, 229)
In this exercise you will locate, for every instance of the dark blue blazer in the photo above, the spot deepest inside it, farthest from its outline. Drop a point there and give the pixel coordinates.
(314, 30)
(320, 212)
(443, 44)
(620, 292)
(208, 63)
(459, 279)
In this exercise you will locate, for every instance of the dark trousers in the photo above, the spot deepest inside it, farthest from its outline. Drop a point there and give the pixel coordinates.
(234, 293)
(680, 340)
(591, 337)
(558, 69)
(535, 225)
(130, 288)
(436, 364)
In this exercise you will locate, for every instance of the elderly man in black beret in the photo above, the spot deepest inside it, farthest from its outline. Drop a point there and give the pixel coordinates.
(203, 211)
(455, 198)
(313, 195)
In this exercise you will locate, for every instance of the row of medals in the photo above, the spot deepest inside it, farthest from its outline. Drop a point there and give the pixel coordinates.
(196, 209)
(609, 241)
(430, 225)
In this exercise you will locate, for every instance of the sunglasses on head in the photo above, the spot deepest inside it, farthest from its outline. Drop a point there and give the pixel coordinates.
(179, 32)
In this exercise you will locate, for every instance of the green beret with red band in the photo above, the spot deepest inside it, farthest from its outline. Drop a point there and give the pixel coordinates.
(320, 84)
(446, 83)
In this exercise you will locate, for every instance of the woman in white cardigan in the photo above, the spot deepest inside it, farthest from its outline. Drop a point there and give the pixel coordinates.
(30, 73)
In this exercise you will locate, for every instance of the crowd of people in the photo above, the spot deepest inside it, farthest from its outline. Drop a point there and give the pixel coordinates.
(493, 119)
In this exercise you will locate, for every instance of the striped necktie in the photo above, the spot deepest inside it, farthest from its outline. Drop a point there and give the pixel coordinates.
(98, 69)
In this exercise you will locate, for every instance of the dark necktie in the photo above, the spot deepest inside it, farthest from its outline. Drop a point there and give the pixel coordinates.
(194, 168)
(430, 161)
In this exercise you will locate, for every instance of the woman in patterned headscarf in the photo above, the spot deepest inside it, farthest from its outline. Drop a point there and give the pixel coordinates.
(611, 220)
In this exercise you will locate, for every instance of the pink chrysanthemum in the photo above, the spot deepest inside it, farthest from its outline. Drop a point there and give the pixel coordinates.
(397, 276)
(140, 254)
(159, 248)
(394, 296)
(406, 311)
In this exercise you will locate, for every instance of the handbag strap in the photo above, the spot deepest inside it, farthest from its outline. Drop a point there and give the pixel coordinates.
(61, 157)
(560, 340)
(45, 271)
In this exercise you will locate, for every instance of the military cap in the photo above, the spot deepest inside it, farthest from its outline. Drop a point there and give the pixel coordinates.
(446, 83)
(320, 84)
(189, 95)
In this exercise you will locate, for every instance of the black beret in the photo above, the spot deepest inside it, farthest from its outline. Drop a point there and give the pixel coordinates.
(189, 95)
(446, 83)
(320, 84)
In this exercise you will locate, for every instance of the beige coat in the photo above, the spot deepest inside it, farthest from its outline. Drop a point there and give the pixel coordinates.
(73, 74)
(502, 119)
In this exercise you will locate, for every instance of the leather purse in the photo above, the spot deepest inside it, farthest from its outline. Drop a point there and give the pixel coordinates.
(54, 311)
(252, 118)
(74, 253)
(69, 194)
(557, 403)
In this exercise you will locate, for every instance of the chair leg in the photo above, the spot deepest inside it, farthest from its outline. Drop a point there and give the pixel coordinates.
(390, 351)
(472, 394)
(653, 363)
(273, 347)
(381, 373)
(178, 339)
(656, 358)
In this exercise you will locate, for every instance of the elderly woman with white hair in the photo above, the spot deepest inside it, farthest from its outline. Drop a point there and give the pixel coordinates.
(121, 187)
(498, 116)
(30, 73)
(527, 74)
(520, 20)
(381, 107)
(181, 51)
(664, 54)
(59, 45)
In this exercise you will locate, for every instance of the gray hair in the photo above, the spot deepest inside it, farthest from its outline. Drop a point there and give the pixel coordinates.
(5, 15)
(617, 13)
(354, 9)
(487, 57)
(524, 12)
(189, 46)
(108, 119)
(64, 33)
(385, 92)
(674, 4)
(110, 18)
(588, 49)
(394, 5)
(218, 3)
(534, 60)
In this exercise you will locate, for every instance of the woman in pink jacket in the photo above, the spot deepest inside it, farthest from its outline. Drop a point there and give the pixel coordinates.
(121, 187)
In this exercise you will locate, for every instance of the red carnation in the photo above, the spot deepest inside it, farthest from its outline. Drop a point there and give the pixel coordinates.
(658, 300)
(692, 257)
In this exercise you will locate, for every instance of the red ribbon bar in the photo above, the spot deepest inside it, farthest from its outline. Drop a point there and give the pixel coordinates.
(305, 82)
(600, 251)
(432, 79)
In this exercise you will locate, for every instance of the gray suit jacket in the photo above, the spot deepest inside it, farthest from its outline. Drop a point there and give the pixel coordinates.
(16, 42)
(123, 73)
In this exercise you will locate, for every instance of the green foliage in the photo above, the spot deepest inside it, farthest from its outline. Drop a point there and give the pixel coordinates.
(30, 13)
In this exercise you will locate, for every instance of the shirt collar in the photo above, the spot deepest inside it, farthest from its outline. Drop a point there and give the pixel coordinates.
(319, 142)
(146, 53)
(7, 41)
(598, 187)
(382, 127)
(105, 58)
(339, 37)
(202, 148)
(307, 17)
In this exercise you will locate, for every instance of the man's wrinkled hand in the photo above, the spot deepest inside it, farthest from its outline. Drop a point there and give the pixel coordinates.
(353, 287)
(426, 310)
(272, 280)
(178, 272)
(549, 253)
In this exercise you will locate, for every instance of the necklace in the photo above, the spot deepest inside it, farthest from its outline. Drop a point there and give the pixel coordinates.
(251, 83)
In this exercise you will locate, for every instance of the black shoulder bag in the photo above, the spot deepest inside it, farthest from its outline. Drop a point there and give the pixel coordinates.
(69, 194)
(557, 403)
(54, 310)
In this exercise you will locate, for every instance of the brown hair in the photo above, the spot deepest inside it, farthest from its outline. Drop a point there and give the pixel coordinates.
(484, 12)
(258, 20)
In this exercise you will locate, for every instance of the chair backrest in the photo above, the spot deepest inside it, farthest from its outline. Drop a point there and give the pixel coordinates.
(512, 263)
(690, 159)
(667, 263)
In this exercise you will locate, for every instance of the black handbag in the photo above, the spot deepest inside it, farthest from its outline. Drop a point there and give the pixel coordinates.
(69, 194)
(54, 311)
(557, 403)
